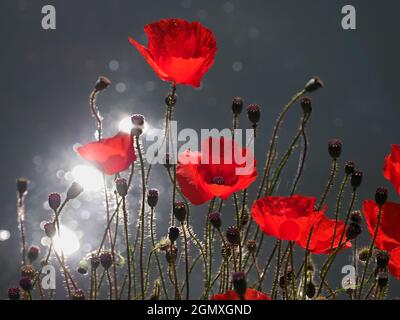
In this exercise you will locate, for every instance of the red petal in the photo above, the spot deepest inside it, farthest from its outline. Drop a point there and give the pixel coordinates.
(394, 263)
(251, 294)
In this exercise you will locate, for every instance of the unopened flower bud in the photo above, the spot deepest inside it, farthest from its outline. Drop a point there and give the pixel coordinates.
(25, 283)
(122, 186)
(83, 266)
(171, 253)
(22, 186)
(356, 216)
(74, 190)
(33, 253)
(152, 197)
(314, 84)
(306, 104)
(173, 233)
(106, 259)
(54, 200)
(14, 293)
(239, 283)
(363, 254)
(180, 211)
(237, 105)
(78, 295)
(356, 179)
(215, 219)
(335, 148)
(102, 83)
(50, 229)
(251, 246)
(310, 290)
(254, 113)
(382, 259)
(353, 231)
(381, 196)
(349, 167)
(233, 235)
(138, 120)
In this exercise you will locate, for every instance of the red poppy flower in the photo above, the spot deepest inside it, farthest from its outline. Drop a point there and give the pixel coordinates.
(220, 169)
(321, 238)
(178, 50)
(251, 294)
(391, 169)
(394, 262)
(111, 155)
(286, 218)
(388, 237)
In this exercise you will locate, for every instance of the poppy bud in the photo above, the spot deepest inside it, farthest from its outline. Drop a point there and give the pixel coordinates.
(138, 120)
(14, 293)
(122, 186)
(215, 219)
(83, 266)
(180, 211)
(94, 261)
(382, 279)
(136, 132)
(363, 254)
(251, 246)
(50, 229)
(25, 283)
(306, 104)
(310, 290)
(22, 186)
(27, 270)
(78, 295)
(382, 259)
(226, 252)
(349, 167)
(381, 196)
(237, 105)
(170, 100)
(356, 179)
(335, 148)
(171, 254)
(106, 259)
(239, 283)
(353, 231)
(33, 253)
(233, 235)
(102, 83)
(74, 190)
(152, 197)
(173, 233)
(314, 84)
(355, 216)
(254, 113)
(54, 200)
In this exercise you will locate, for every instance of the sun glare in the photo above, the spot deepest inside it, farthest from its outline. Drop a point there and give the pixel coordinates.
(88, 177)
(67, 242)
(125, 125)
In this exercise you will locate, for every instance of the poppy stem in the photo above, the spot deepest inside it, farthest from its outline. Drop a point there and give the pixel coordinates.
(21, 221)
(305, 263)
(128, 256)
(186, 259)
(371, 248)
(328, 184)
(277, 268)
(271, 256)
(96, 113)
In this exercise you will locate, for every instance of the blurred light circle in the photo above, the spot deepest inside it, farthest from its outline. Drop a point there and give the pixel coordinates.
(4, 235)
(113, 65)
(120, 87)
(67, 242)
(88, 177)
(237, 66)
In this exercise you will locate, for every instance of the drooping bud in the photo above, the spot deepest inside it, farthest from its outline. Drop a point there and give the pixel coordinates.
(106, 259)
(233, 235)
(122, 186)
(138, 120)
(152, 197)
(254, 113)
(25, 283)
(50, 229)
(349, 167)
(180, 211)
(215, 219)
(78, 295)
(74, 190)
(173, 233)
(251, 246)
(102, 83)
(306, 105)
(22, 186)
(381, 196)
(237, 105)
(335, 148)
(54, 200)
(239, 283)
(14, 293)
(382, 259)
(83, 266)
(356, 179)
(314, 84)
(33, 253)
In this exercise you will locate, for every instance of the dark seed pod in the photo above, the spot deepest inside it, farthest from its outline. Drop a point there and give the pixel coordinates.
(33, 253)
(180, 211)
(382, 259)
(356, 179)
(122, 187)
(25, 283)
(310, 290)
(381, 196)
(138, 120)
(102, 83)
(356, 216)
(239, 283)
(251, 246)
(353, 231)
(233, 235)
(254, 113)
(74, 190)
(173, 233)
(14, 293)
(106, 259)
(215, 219)
(314, 84)
(78, 295)
(306, 105)
(152, 197)
(349, 167)
(171, 254)
(54, 200)
(382, 279)
(335, 148)
(50, 229)
(237, 105)
(363, 254)
(22, 186)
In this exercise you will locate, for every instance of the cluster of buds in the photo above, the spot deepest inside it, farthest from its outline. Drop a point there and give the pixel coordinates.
(354, 228)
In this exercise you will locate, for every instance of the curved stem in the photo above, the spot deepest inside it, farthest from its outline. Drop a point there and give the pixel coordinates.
(128, 256)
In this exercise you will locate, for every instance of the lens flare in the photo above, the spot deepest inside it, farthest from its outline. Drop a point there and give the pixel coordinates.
(125, 125)
(67, 242)
(88, 177)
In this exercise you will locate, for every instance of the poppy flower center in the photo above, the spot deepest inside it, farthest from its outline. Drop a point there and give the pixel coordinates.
(218, 180)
